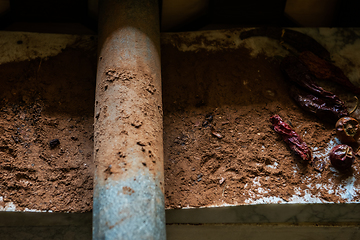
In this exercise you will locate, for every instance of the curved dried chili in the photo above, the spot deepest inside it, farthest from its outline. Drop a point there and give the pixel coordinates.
(291, 138)
(298, 73)
(325, 70)
(324, 104)
(325, 110)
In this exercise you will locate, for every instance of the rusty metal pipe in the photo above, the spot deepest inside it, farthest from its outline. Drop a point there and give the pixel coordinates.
(128, 143)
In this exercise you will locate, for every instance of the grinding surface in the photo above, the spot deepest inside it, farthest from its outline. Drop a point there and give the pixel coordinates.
(220, 149)
(46, 134)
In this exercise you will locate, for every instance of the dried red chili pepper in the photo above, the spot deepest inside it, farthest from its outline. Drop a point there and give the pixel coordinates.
(291, 138)
(299, 41)
(317, 100)
(325, 70)
(326, 110)
(298, 73)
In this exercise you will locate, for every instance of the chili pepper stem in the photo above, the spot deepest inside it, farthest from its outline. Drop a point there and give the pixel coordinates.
(356, 105)
(282, 35)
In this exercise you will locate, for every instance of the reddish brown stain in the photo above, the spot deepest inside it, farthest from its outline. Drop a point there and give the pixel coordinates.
(128, 190)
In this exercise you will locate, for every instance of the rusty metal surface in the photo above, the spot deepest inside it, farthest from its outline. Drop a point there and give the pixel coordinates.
(129, 184)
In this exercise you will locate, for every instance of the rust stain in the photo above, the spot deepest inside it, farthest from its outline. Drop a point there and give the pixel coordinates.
(139, 108)
(128, 190)
(118, 222)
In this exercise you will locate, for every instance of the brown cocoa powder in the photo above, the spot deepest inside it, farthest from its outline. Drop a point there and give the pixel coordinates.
(43, 100)
(250, 162)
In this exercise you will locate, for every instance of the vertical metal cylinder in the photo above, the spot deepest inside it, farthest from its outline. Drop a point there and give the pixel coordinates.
(129, 174)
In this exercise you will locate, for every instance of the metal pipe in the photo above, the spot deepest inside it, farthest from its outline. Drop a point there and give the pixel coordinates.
(128, 143)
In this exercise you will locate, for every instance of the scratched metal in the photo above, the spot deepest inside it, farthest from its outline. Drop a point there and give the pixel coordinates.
(129, 174)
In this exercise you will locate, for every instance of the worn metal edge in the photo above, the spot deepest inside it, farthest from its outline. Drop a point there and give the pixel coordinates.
(336, 214)
(37, 219)
(25, 46)
(268, 213)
